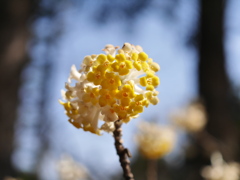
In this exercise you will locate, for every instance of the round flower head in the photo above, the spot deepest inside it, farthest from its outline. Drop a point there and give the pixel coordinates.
(117, 85)
(155, 141)
(221, 170)
(192, 118)
(68, 169)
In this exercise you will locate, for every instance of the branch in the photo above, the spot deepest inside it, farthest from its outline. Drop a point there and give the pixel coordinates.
(122, 152)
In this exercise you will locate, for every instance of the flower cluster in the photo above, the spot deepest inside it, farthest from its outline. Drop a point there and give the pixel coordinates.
(114, 86)
(193, 118)
(68, 169)
(155, 141)
(221, 170)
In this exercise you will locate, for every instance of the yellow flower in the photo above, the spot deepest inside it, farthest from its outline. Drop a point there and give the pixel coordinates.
(150, 81)
(70, 110)
(96, 76)
(123, 112)
(101, 58)
(138, 104)
(111, 81)
(108, 87)
(153, 66)
(107, 97)
(122, 66)
(192, 118)
(152, 97)
(125, 95)
(140, 61)
(155, 141)
(103, 62)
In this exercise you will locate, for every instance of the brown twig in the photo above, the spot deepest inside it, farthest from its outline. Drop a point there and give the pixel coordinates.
(122, 152)
(152, 169)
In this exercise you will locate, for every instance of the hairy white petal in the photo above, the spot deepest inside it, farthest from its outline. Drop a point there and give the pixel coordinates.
(108, 127)
(109, 116)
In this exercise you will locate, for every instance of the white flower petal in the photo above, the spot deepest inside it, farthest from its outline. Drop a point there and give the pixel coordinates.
(74, 74)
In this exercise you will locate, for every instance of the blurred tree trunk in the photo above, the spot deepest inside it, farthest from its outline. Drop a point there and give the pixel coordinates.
(14, 34)
(214, 85)
(215, 91)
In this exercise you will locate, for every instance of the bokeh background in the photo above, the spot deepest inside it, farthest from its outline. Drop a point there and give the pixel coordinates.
(196, 43)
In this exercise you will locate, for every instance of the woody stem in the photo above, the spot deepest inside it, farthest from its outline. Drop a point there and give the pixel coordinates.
(122, 152)
(152, 169)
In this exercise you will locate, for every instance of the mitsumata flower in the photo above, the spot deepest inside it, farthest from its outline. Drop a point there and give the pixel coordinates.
(114, 86)
(155, 141)
(192, 118)
(221, 170)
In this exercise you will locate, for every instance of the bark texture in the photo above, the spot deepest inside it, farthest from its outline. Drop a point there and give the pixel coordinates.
(122, 152)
